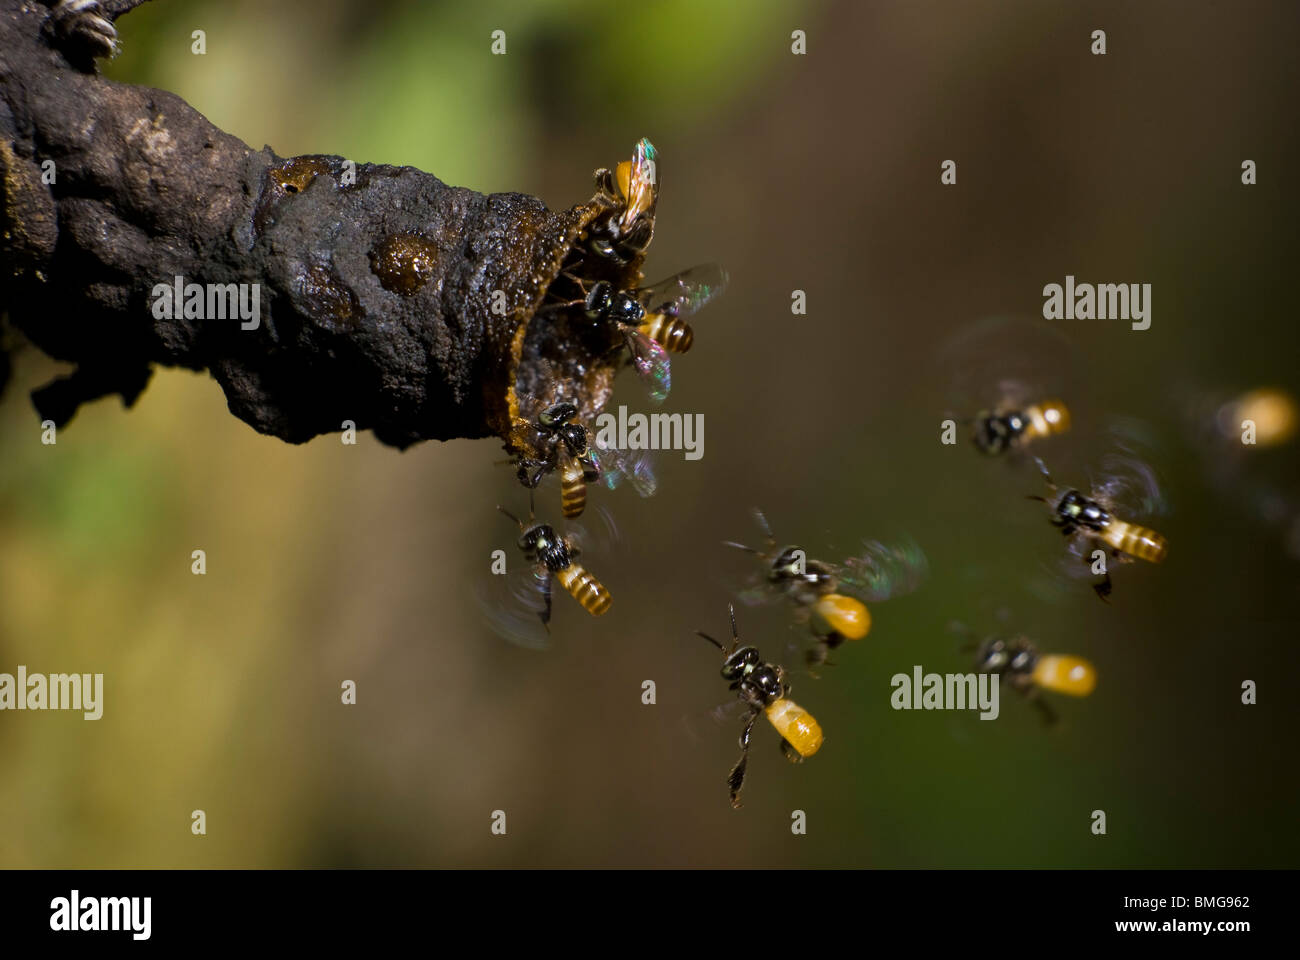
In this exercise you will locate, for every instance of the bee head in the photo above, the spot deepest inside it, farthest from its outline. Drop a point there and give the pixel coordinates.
(598, 300)
(557, 414)
(790, 563)
(740, 664)
(993, 656)
(997, 655)
(994, 432)
(542, 543)
(1077, 510)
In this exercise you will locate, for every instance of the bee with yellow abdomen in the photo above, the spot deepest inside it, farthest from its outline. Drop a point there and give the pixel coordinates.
(1093, 519)
(1004, 428)
(632, 189)
(556, 557)
(1015, 374)
(762, 687)
(1027, 671)
(1271, 413)
(833, 597)
(652, 320)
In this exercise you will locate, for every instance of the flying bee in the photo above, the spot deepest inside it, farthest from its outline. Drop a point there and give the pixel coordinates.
(1013, 426)
(1012, 372)
(1092, 518)
(1270, 412)
(1028, 672)
(762, 687)
(564, 446)
(833, 597)
(555, 556)
(634, 187)
(652, 319)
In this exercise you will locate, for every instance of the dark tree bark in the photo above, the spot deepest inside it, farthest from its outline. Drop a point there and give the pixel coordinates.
(376, 284)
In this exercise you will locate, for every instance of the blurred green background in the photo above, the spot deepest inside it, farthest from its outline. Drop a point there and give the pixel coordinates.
(816, 172)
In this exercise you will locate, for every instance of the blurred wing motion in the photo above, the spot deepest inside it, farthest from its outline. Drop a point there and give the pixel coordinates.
(597, 531)
(1130, 485)
(685, 294)
(1002, 363)
(513, 603)
(1126, 480)
(616, 466)
(883, 570)
(651, 362)
(715, 723)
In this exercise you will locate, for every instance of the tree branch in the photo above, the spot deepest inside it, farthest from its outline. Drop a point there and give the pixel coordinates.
(385, 296)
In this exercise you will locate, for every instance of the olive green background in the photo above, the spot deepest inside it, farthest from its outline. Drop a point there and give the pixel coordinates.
(821, 173)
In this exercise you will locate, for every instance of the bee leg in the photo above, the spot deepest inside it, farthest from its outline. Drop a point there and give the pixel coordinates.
(816, 655)
(737, 776)
(1044, 708)
(546, 611)
(790, 752)
(819, 654)
(1102, 588)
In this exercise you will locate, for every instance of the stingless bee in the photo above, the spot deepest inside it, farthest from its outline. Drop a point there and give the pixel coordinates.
(1028, 672)
(564, 445)
(1271, 411)
(834, 596)
(634, 186)
(1013, 372)
(1013, 425)
(762, 687)
(1093, 518)
(555, 556)
(652, 319)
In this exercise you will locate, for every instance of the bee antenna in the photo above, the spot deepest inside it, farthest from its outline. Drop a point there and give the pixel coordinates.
(735, 636)
(738, 546)
(510, 515)
(763, 524)
(701, 633)
(1042, 468)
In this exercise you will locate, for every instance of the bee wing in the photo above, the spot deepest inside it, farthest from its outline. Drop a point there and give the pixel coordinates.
(1126, 480)
(652, 364)
(685, 293)
(599, 532)
(642, 186)
(1077, 561)
(1003, 363)
(616, 466)
(703, 725)
(884, 570)
(512, 605)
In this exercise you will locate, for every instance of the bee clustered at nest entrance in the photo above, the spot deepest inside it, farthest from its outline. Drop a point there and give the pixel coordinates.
(563, 354)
